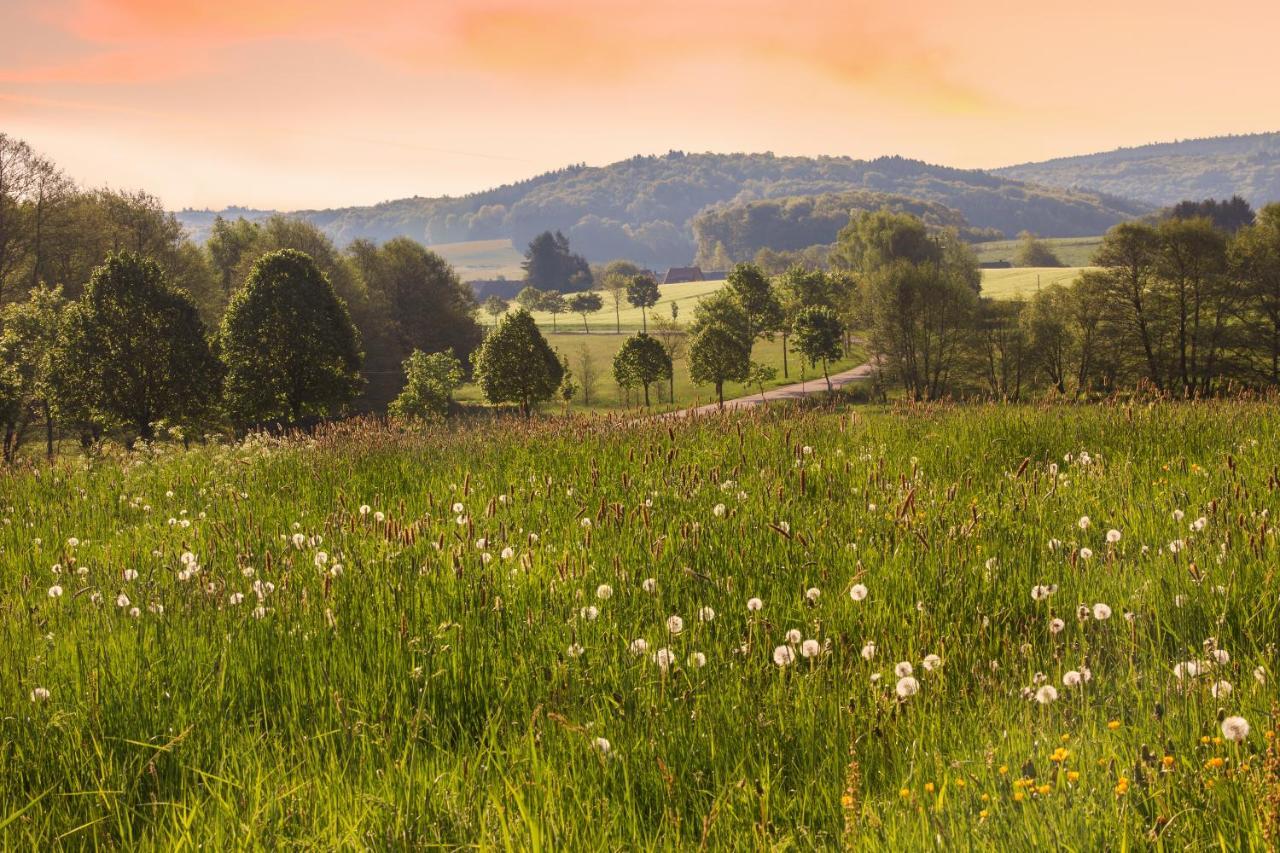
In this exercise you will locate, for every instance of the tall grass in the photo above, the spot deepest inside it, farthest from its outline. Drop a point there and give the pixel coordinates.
(420, 685)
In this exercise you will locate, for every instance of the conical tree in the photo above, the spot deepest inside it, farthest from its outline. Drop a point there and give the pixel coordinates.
(290, 347)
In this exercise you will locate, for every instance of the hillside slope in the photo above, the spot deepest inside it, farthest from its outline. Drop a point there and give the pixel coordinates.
(1166, 173)
(642, 208)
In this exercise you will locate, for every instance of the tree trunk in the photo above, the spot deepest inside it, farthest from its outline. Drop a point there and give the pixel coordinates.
(785, 374)
(826, 375)
(720, 394)
(646, 395)
(48, 430)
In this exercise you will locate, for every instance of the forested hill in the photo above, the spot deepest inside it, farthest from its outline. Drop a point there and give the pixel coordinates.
(1166, 173)
(643, 208)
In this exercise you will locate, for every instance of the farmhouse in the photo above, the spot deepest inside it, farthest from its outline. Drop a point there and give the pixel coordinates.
(679, 275)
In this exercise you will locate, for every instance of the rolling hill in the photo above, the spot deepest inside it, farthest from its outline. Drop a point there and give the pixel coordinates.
(643, 208)
(1166, 173)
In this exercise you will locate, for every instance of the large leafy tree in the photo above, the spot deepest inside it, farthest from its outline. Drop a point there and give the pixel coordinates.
(29, 333)
(819, 337)
(641, 360)
(515, 364)
(718, 355)
(290, 347)
(643, 293)
(549, 264)
(133, 350)
(759, 301)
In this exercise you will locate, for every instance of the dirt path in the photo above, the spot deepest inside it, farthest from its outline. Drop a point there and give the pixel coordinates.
(786, 392)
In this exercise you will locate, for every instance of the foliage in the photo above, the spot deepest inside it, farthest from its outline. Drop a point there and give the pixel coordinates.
(818, 335)
(1229, 215)
(1034, 252)
(135, 350)
(430, 381)
(29, 333)
(584, 302)
(643, 293)
(718, 355)
(1166, 173)
(550, 265)
(530, 298)
(290, 348)
(642, 360)
(514, 364)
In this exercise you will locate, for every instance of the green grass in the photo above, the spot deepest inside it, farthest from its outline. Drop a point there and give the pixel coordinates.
(426, 694)
(685, 296)
(1072, 251)
(608, 397)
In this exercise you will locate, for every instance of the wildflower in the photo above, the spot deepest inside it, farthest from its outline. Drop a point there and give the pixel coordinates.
(1040, 592)
(1082, 612)
(783, 656)
(122, 600)
(604, 591)
(602, 746)
(649, 585)
(697, 660)
(1084, 522)
(134, 613)
(130, 574)
(1221, 689)
(1235, 729)
(458, 508)
(868, 651)
(1260, 675)
(1178, 515)
(1220, 656)
(365, 509)
(589, 613)
(812, 594)
(236, 597)
(706, 614)
(931, 662)
(1113, 536)
(40, 694)
(1113, 724)
(718, 510)
(1101, 612)
(586, 523)
(858, 592)
(508, 552)
(784, 527)
(793, 636)
(55, 591)
(903, 669)
(664, 658)
(1086, 553)
(810, 648)
(1056, 626)
(639, 646)
(1071, 678)
(1047, 694)
(674, 625)
(754, 604)
(906, 687)
(1199, 524)
(1186, 669)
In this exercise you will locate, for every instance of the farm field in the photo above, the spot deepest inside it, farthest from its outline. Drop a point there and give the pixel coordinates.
(607, 396)
(1072, 251)
(1024, 281)
(985, 627)
(482, 259)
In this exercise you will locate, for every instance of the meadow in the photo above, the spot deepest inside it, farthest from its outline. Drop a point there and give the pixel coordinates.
(983, 627)
(1072, 251)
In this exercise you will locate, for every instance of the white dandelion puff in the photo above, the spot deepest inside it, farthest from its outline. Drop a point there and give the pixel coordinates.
(906, 687)
(1235, 729)
(675, 625)
(1047, 694)
(784, 656)
(858, 592)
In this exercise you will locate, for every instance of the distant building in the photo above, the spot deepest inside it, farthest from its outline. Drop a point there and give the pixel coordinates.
(994, 265)
(679, 275)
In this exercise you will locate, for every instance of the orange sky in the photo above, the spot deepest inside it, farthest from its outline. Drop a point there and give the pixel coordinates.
(309, 103)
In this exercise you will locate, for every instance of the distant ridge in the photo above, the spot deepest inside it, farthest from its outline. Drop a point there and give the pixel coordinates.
(1165, 173)
(643, 208)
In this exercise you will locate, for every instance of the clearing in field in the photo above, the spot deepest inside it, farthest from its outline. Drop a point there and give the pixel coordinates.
(994, 627)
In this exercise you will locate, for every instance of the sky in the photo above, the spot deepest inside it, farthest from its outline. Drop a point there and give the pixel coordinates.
(289, 104)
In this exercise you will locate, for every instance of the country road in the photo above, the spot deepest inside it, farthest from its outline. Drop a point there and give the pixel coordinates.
(795, 391)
